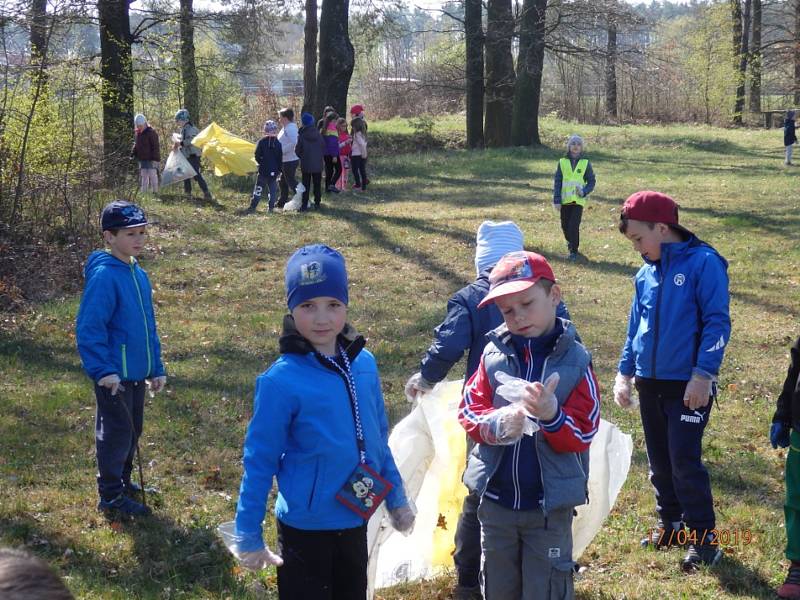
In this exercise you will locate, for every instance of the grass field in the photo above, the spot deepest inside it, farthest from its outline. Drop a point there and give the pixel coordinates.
(409, 243)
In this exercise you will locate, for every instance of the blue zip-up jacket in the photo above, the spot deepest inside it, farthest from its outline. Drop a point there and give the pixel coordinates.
(269, 156)
(789, 134)
(464, 329)
(116, 324)
(558, 178)
(679, 320)
(302, 432)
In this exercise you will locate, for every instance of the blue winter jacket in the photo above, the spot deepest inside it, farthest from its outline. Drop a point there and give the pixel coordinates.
(465, 328)
(303, 432)
(116, 325)
(679, 321)
(269, 156)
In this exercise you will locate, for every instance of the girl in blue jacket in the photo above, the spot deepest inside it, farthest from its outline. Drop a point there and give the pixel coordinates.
(320, 427)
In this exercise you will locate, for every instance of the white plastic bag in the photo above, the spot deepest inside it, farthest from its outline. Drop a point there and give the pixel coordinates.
(297, 200)
(177, 169)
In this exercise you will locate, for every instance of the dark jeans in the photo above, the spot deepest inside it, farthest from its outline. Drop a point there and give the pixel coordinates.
(673, 435)
(194, 160)
(467, 556)
(287, 181)
(271, 183)
(359, 165)
(571, 215)
(307, 178)
(333, 170)
(116, 431)
(322, 565)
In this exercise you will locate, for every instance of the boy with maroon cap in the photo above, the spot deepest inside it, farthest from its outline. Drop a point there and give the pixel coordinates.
(678, 328)
(531, 463)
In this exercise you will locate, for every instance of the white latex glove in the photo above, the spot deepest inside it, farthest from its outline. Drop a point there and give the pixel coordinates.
(416, 385)
(579, 191)
(542, 402)
(111, 382)
(260, 559)
(402, 519)
(157, 383)
(623, 390)
(556, 208)
(698, 392)
(505, 427)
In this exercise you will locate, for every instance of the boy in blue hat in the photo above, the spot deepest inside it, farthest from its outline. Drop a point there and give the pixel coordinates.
(318, 426)
(120, 351)
(269, 156)
(310, 148)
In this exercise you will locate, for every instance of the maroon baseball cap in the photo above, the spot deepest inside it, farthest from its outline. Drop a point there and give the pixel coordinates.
(516, 272)
(652, 207)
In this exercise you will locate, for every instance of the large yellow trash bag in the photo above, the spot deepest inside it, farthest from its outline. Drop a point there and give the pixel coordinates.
(225, 151)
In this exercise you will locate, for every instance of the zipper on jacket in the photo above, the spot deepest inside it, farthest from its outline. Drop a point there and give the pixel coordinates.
(124, 362)
(655, 322)
(144, 319)
(543, 502)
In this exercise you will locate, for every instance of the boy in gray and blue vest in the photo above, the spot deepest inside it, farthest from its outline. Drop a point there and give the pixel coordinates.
(531, 463)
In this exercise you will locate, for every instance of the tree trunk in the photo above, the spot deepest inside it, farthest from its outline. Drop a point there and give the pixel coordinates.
(797, 52)
(336, 57)
(611, 70)
(744, 52)
(38, 24)
(528, 86)
(755, 60)
(499, 73)
(310, 57)
(736, 22)
(116, 92)
(473, 29)
(191, 92)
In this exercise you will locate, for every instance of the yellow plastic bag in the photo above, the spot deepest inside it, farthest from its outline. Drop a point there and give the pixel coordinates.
(225, 151)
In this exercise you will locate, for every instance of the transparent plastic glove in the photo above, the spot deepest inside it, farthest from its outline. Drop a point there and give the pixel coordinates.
(513, 390)
(779, 435)
(579, 191)
(542, 402)
(698, 392)
(505, 426)
(556, 208)
(416, 385)
(253, 561)
(623, 391)
(402, 519)
(111, 382)
(157, 383)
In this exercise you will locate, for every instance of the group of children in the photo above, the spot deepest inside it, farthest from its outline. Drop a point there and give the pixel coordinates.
(528, 464)
(325, 144)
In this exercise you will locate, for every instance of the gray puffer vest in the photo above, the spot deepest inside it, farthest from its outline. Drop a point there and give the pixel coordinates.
(565, 475)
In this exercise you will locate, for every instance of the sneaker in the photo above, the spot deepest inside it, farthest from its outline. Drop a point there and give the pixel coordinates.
(791, 586)
(573, 256)
(356, 188)
(131, 489)
(122, 506)
(207, 196)
(463, 592)
(663, 537)
(707, 553)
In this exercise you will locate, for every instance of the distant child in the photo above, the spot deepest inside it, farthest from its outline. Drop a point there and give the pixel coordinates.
(785, 432)
(573, 182)
(319, 426)
(789, 136)
(357, 112)
(269, 156)
(191, 152)
(26, 577)
(345, 149)
(358, 156)
(678, 329)
(120, 351)
(147, 151)
(310, 148)
(529, 484)
(333, 167)
(288, 139)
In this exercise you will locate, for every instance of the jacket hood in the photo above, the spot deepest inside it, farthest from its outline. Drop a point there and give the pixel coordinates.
(291, 342)
(691, 243)
(101, 258)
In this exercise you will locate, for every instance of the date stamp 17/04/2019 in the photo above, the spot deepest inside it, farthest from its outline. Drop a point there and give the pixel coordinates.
(719, 537)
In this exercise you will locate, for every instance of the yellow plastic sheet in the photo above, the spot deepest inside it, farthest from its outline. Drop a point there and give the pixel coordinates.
(225, 151)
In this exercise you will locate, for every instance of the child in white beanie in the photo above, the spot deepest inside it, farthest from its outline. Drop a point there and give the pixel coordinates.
(147, 151)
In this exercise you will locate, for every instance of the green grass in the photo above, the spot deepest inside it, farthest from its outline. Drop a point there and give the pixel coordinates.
(409, 243)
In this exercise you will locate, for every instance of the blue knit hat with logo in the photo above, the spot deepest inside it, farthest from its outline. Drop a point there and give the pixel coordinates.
(313, 271)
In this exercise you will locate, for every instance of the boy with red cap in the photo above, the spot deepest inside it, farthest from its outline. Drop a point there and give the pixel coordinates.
(678, 328)
(530, 466)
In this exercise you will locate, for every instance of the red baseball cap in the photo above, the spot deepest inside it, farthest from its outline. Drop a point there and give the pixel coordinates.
(516, 272)
(652, 207)
(357, 109)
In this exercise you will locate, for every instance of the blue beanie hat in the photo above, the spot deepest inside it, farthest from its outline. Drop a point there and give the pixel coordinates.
(307, 119)
(314, 271)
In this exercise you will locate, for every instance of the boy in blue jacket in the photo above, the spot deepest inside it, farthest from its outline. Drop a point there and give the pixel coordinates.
(269, 156)
(120, 351)
(318, 426)
(678, 329)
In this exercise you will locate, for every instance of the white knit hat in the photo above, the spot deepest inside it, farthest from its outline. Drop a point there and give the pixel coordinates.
(139, 120)
(574, 139)
(494, 241)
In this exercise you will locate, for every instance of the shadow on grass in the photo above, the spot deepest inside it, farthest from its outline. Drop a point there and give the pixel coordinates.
(738, 579)
(43, 358)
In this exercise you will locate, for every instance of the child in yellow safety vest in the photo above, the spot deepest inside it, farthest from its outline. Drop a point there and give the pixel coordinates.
(573, 182)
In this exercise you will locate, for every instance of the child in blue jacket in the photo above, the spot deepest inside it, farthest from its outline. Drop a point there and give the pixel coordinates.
(320, 428)
(269, 156)
(120, 351)
(573, 181)
(789, 136)
(678, 329)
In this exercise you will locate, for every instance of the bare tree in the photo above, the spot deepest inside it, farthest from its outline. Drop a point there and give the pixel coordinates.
(500, 75)
(191, 92)
(611, 69)
(310, 56)
(473, 30)
(530, 63)
(744, 52)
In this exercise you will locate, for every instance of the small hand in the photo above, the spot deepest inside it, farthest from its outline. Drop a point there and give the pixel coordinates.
(779, 435)
(157, 383)
(402, 518)
(255, 561)
(111, 382)
(556, 207)
(416, 385)
(542, 402)
(623, 390)
(698, 392)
